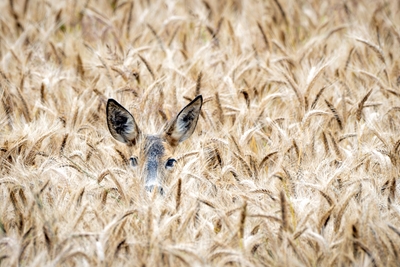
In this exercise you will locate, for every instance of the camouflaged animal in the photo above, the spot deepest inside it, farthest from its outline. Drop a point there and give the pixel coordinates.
(155, 150)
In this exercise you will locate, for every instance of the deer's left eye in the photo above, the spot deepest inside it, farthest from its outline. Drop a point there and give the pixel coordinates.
(170, 164)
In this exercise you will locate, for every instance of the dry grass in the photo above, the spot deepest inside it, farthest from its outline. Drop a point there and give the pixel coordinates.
(294, 162)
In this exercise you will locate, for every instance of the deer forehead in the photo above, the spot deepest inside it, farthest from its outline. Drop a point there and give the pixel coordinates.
(155, 148)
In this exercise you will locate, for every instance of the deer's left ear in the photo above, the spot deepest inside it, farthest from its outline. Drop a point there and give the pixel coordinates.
(182, 127)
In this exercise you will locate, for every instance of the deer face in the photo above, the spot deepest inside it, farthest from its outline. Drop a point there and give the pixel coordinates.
(155, 152)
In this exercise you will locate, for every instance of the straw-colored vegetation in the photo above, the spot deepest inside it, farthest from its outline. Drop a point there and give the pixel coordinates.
(294, 161)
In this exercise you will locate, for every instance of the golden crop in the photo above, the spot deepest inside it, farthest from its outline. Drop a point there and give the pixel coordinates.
(294, 161)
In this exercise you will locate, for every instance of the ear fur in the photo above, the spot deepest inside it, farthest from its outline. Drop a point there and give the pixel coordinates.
(184, 124)
(121, 123)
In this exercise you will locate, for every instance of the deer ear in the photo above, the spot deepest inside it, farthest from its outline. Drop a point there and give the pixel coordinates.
(121, 123)
(182, 127)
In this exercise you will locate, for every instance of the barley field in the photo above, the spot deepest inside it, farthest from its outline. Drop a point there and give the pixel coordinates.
(294, 160)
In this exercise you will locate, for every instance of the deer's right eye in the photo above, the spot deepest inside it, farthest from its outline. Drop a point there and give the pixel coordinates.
(133, 161)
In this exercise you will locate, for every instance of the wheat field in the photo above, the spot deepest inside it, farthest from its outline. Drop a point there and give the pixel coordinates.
(294, 161)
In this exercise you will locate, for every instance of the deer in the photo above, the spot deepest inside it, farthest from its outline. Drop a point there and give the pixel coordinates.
(155, 160)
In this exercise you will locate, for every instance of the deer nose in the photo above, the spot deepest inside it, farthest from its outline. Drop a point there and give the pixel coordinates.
(149, 188)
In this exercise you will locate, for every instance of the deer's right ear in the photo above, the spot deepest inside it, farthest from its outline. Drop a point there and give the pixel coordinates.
(121, 123)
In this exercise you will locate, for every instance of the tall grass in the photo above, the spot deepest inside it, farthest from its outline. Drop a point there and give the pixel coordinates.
(294, 162)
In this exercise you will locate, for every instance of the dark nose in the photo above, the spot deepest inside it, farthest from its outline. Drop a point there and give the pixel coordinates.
(149, 188)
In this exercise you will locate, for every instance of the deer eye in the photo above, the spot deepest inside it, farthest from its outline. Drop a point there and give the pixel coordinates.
(170, 164)
(133, 161)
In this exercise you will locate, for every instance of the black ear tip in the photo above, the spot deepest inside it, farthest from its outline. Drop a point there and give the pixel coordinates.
(111, 100)
(199, 97)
